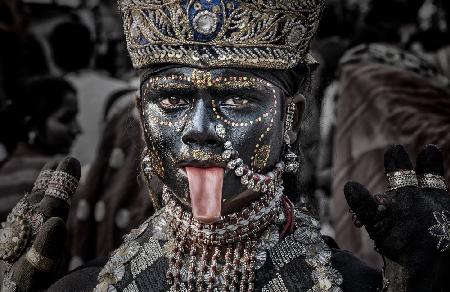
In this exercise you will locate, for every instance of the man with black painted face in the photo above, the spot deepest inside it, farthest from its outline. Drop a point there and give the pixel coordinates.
(182, 109)
(221, 107)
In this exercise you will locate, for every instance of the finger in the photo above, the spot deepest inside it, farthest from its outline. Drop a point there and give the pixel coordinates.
(430, 168)
(33, 270)
(41, 183)
(361, 202)
(49, 244)
(396, 158)
(430, 160)
(398, 168)
(62, 186)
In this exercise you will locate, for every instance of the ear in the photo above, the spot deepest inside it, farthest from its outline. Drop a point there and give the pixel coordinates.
(299, 101)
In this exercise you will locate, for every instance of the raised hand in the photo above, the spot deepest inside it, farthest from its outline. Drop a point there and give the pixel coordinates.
(32, 240)
(406, 222)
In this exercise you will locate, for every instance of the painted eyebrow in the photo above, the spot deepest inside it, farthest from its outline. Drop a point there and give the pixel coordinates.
(183, 87)
(184, 82)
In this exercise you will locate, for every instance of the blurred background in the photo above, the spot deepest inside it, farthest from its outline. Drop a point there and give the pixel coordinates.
(67, 87)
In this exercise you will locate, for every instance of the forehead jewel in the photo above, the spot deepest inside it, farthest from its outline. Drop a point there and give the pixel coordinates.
(261, 34)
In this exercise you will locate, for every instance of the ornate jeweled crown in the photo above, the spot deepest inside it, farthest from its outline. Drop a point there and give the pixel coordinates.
(267, 34)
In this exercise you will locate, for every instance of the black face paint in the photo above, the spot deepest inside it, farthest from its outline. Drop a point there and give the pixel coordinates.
(181, 108)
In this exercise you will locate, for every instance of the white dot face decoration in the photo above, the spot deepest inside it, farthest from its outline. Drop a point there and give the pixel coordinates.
(214, 118)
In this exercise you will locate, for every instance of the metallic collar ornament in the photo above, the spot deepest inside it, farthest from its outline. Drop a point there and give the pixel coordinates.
(232, 268)
(273, 34)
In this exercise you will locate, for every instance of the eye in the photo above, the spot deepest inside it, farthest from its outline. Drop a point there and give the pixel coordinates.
(235, 101)
(172, 102)
(66, 119)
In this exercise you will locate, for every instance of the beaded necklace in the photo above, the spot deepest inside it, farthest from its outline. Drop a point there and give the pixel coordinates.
(228, 267)
(221, 254)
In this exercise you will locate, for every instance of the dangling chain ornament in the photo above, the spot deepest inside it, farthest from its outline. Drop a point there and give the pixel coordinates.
(225, 255)
(264, 183)
(291, 159)
(234, 266)
(222, 254)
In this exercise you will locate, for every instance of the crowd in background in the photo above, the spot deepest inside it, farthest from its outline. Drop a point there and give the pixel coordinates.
(383, 80)
(67, 87)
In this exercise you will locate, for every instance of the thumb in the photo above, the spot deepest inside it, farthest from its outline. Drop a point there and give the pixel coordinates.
(33, 270)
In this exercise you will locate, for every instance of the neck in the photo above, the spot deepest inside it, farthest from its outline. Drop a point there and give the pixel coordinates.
(203, 252)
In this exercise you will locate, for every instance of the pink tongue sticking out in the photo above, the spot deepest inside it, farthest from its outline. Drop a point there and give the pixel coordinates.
(205, 186)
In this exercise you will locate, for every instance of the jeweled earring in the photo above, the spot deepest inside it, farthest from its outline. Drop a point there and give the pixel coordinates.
(32, 137)
(290, 158)
(146, 165)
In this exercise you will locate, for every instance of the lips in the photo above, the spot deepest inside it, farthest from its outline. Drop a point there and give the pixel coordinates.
(205, 188)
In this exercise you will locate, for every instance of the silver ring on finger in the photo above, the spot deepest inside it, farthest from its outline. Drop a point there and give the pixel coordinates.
(432, 181)
(62, 186)
(42, 181)
(39, 261)
(401, 178)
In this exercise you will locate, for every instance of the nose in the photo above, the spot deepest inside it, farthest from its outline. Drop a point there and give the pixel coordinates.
(200, 130)
(77, 129)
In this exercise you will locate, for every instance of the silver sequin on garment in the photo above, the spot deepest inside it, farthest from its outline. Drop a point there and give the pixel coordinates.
(275, 285)
(150, 253)
(306, 242)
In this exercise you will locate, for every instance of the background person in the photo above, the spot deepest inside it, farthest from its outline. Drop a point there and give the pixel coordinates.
(48, 112)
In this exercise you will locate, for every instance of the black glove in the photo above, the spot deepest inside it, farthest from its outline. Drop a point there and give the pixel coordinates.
(32, 240)
(399, 220)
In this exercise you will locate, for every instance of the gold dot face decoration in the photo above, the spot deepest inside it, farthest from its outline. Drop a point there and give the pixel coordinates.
(243, 82)
(220, 104)
(204, 79)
